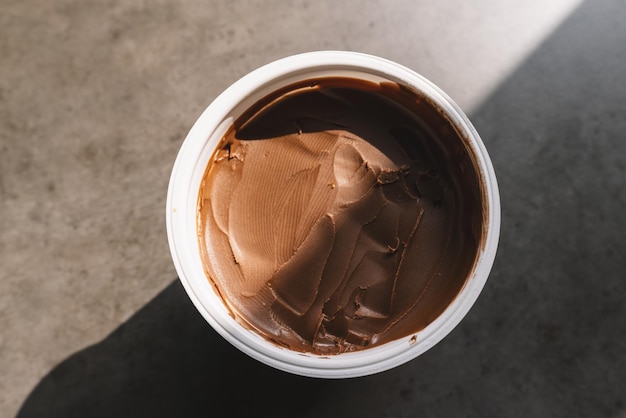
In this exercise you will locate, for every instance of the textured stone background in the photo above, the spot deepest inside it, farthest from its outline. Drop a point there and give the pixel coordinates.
(97, 97)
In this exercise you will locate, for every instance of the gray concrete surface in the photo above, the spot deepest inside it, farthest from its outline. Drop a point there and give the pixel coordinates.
(97, 97)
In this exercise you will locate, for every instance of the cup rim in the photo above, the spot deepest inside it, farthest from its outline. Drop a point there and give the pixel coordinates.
(190, 164)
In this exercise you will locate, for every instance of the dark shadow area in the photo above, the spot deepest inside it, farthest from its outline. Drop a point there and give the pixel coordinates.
(165, 361)
(546, 337)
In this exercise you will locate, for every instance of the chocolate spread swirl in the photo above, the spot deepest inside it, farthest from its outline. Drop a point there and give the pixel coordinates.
(340, 214)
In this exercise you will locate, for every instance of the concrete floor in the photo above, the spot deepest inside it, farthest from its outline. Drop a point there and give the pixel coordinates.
(97, 97)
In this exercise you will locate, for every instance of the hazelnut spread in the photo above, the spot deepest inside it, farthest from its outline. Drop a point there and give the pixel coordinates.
(339, 214)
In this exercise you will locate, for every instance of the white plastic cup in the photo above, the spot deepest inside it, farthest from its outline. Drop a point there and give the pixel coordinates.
(182, 198)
